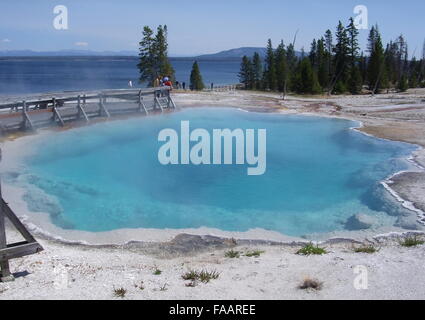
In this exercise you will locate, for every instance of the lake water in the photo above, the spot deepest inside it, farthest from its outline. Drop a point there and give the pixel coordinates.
(39, 75)
(319, 173)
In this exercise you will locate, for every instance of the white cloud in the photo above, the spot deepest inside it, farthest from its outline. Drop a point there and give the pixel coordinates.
(81, 44)
(6, 40)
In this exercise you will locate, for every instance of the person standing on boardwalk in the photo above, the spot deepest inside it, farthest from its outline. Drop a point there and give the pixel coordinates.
(168, 83)
(157, 82)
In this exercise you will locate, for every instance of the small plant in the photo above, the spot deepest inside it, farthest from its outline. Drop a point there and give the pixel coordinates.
(141, 286)
(310, 249)
(232, 254)
(255, 254)
(120, 293)
(157, 272)
(412, 242)
(311, 284)
(207, 276)
(190, 275)
(366, 249)
(202, 276)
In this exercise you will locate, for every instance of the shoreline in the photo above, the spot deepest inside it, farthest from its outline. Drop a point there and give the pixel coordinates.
(40, 223)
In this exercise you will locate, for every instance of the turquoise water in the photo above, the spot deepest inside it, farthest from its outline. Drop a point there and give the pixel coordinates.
(319, 173)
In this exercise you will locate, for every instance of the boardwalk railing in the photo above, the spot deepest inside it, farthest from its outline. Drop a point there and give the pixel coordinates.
(225, 88)
(44, 110)
(30, 113)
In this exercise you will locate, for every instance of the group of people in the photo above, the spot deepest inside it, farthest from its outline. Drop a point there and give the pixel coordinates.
(160, 82)
(164, 82)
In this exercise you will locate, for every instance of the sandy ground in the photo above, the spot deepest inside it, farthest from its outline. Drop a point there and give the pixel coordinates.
(64, 272)
(81, 272)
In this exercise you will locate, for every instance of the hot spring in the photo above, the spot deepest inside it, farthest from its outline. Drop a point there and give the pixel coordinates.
(107, 176)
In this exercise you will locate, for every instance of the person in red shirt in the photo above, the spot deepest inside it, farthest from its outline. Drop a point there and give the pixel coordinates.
(168, 83)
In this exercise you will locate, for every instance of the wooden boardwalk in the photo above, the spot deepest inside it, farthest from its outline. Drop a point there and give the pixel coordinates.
(38, 111)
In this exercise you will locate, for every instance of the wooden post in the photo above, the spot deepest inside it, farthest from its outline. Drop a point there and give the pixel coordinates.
(25, 118)
(81, 110)
(7, 252)
(170, 102)
(5, 275)
(158, 104)
(168, 99)
(142, 105)
(54, 109)
(79, 107)
(102, 107)
(56, 113)
(155, 94)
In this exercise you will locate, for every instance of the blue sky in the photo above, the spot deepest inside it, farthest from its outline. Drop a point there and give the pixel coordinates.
(198, 26)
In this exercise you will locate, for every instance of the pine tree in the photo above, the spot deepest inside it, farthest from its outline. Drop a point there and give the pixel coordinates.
(391, 62)
(292, 63)
(355, 82)
(363, 67)
(422, 77)
(163, 65)
(403, 84)
(414, 73)
(313, 54)
(322, 73)
(376, 67)
(257, 70)
(196, 82)
(329, 56)
(281, 67)
(401, 58)
(153, 56)
(341, 58)
(307, 79)
(270, 80)
(147, 61)
(246, 74)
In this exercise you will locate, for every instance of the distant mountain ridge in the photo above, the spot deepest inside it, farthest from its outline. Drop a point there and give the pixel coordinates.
(237, 53)
(65, 53)
(232, 54)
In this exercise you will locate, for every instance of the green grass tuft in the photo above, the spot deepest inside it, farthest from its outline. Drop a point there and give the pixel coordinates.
(202, 276)
(310, 249)
(311, 284)
(232, 254)
(255, 253)
(157, 272)
(412, 242)
(120, 293)
(366, 249)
